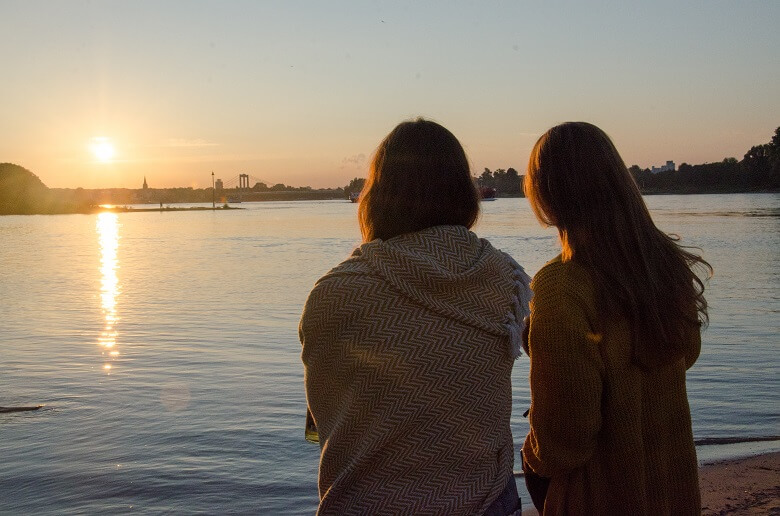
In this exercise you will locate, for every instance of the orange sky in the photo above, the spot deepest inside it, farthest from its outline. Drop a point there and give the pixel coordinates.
(301, 93)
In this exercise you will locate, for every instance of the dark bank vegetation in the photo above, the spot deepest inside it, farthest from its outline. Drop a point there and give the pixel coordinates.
(278, 192)
(23, 193)
(758, 171)
(507, 183)
(354, 186)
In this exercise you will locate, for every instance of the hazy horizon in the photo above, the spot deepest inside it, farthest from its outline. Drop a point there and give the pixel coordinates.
(101, 94)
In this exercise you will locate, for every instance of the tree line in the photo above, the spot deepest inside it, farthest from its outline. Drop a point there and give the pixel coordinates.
(507, 183)
(759, 170)
(22, 192)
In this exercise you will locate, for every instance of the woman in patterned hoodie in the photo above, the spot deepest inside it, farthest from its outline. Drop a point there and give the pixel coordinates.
(408, 345)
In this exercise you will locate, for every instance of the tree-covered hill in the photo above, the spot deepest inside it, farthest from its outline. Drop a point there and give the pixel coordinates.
(23, 193)
(20, 189)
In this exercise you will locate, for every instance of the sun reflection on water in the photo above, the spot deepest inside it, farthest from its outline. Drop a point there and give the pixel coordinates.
(108, 234)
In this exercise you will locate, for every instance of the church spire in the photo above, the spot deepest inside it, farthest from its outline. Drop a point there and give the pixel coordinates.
(145, 185)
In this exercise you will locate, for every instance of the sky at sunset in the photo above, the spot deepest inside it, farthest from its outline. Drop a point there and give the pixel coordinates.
(99, 94)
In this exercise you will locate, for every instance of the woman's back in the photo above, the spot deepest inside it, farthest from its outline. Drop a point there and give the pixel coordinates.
(613, 437)
(408, 375)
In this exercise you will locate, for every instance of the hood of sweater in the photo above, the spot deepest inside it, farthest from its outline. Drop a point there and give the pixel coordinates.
(452, 272)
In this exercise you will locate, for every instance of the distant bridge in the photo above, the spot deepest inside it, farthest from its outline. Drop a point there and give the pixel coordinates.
(243, 182)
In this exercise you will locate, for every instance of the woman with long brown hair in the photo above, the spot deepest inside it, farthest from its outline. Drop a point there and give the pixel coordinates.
(615, 323)
(408, 345)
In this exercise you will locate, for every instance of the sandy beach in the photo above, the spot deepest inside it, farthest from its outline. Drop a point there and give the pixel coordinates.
(748, 485)
(743, 486)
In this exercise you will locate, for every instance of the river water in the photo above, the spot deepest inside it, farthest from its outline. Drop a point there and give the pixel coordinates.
(164, 347)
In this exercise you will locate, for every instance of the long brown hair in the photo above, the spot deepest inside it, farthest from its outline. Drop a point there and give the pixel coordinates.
(419, 178)
(577, 182)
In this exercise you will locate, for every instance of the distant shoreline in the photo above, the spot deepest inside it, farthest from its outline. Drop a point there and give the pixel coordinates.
(708, 192)
(676, 192)
(171, 206)
(92, 210)
(129, 209)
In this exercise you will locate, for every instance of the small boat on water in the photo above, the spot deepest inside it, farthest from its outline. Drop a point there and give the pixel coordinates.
(354, 196)
(487, 194)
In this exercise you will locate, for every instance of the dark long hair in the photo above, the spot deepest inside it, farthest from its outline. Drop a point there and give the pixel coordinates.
(577, 182)
(419, 178)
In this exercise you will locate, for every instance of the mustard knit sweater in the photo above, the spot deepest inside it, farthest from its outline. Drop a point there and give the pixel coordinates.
(613, 439)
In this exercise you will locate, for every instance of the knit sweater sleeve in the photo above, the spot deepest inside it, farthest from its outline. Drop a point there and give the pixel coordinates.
(566, 373)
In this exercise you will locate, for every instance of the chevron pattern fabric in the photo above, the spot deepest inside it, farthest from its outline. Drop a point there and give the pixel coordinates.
(407, 355)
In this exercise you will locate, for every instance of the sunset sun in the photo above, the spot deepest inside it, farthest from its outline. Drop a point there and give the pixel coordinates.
(102, 149)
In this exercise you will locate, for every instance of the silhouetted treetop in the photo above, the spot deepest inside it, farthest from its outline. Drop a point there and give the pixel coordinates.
(355, 185)
(20, 190)
(14, 176)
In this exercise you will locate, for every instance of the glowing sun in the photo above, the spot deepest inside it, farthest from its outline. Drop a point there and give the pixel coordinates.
(102, 149)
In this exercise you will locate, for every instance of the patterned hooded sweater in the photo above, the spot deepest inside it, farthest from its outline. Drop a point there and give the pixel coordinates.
(408, 348)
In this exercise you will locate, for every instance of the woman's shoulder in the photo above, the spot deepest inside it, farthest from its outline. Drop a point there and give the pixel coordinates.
(560, 272)
(352, 273)
(565, 279)
(337, 291)
(345, 272)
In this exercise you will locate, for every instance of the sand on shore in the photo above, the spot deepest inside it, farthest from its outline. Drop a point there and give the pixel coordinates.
(742, 486)
(748, 485)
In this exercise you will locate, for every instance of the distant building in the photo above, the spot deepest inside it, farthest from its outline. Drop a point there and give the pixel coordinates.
(145, 186)
(218, 185)
(669, 166)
